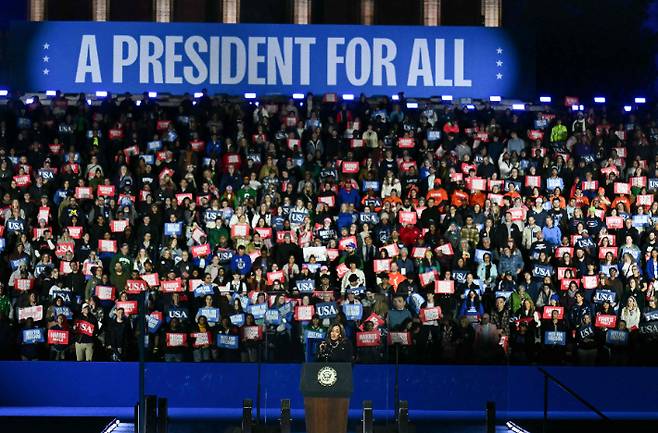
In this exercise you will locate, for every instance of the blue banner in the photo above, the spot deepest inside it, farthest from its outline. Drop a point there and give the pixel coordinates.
(211, 313)
(266, 59)
(33, 336)
(272, 317)
(227, 341)
(615, 337)
(237, 319)
(173, 229)
(326, 310)
(555, 338)
(353, 311)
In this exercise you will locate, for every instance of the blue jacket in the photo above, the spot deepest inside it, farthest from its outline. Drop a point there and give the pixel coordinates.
(510, 264)
(349, 197)
(652, 269)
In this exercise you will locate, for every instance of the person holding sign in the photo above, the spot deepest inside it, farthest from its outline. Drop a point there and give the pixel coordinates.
(336, 348)
(119, 335)
(59, 346)
(86, 331)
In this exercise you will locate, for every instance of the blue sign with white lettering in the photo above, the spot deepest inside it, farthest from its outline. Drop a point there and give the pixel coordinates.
(265, 59)
(227, 341)
(33, 336)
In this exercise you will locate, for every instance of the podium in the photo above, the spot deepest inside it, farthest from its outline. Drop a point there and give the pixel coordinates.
(326, 388)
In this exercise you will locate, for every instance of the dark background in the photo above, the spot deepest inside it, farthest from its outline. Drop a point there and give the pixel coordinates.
(581, 47)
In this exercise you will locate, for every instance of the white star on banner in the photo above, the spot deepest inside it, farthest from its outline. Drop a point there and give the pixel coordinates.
(499, 51)
(46, 71)
(499, 63)
(46, 59)
(499, 76)
(46, 46)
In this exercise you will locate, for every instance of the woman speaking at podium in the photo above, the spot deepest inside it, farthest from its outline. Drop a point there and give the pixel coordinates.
(336, 348)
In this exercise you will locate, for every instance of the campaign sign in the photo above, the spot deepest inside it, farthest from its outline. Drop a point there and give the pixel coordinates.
(304, 313)
(201, 338)
(237, 319)
(105, 293)
(555, 338)
(129, 307)
(107, 246)
(368, 339)
(272, 317)
(310, 334)
(616, 337)
(460, 276)
(604, 295)
(225, 341)
(548, 312)
(66, 311)
(444, 287)
(253, 333)
(541, 271)
(23, 284)
(176, 339)
(135, 287)
(605, 321)
(177, 313)
(173, 229)
(84, 327)
(153, 280)
(430, 314)
(651, 315)
(305, 286)
(401, 338)
(34, 336)
(154, 321)
(59, 337)
(327, 310)
(35, 312)
(210, 313)
(257, 310)
(353, 311)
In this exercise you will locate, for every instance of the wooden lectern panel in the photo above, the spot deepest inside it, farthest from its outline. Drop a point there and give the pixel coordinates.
(326, 415)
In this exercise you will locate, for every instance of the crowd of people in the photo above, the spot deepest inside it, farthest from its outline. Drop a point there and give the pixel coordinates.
(225, 229)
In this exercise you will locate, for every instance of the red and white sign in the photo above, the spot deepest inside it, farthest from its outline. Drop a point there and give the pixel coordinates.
(293, 142)
(116, 134)
(622, 188)
(65, 267)
(445, 249)
(176, 339)
(590, 282)
(22, 180)
(444, 287)
(56, 336)
(23, 284)
(105, 293)
(603, 251)
(566, 282)
(75, 232)
(35, 312)
(606, 321)
(329, 200)
(163, 125)
(304, 312)
(192, 284)
(406, 143)
(44, 214)
(197, 145)
(153, 280)
(264, 232)
(356, 143)
(135, 287)
(426, 278)
(561, 251)
(477, 184)
(118, 226)
(252, 333)
(201, 250)
(83, 192)
(350, 167)
(407, 217)
(341, 270)
(62, 248)
(614, 222)
(129, 307)
(591, 185)
(392, 249)
(345, 242)
(274, 276)
(381, 265)
(418, 252)
(533, 181)
(368, 339)
(171, 286)
(644, 200)
(107, 246)
(430, 314)
(201, 338)
(180, 198)
(638, 181)
(105, 190)
(548, 312)
(84, 327)
(239, 230)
